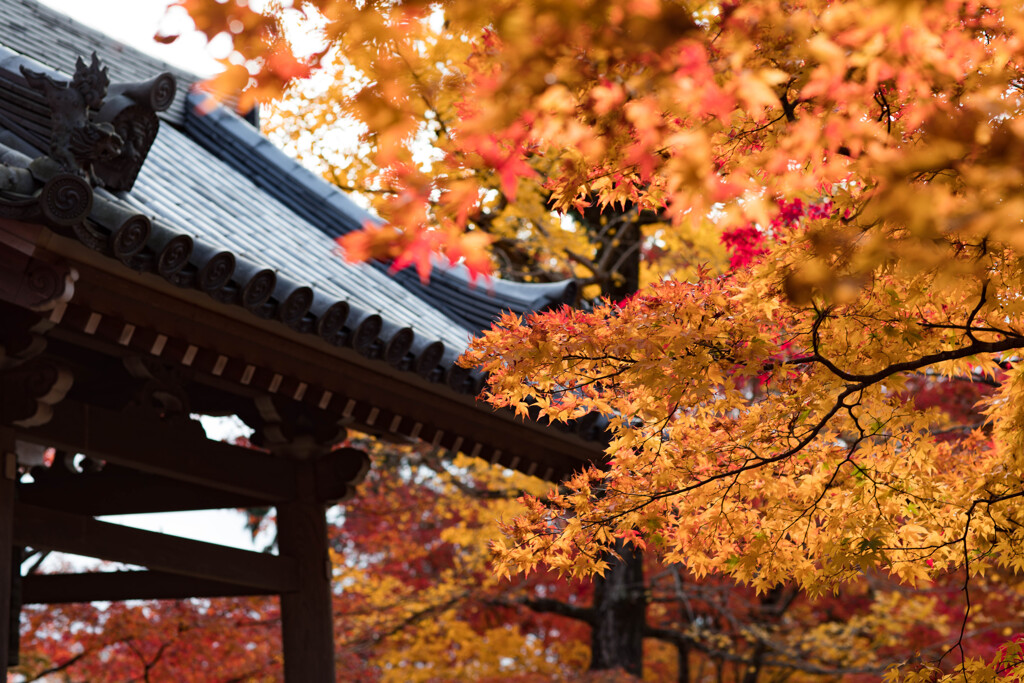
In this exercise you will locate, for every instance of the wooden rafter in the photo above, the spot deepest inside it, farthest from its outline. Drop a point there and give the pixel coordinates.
(121, 491)
(370, 395)
(125, 585)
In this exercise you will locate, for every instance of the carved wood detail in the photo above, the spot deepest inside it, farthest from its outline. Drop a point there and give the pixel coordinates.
(31, 283)
(293, 429)
(164, 388)
(339, 473)
(100, 132)
(29, 391)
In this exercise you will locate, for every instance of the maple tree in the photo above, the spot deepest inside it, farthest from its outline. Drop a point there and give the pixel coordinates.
(860, 160)
(193, 641)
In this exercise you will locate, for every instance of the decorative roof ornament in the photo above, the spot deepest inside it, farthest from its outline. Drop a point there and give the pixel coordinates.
(131, 109)
(76, 141)
(99, 131)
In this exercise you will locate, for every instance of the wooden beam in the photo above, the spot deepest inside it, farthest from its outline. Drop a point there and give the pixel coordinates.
(170, 448)
(52, 530)
(307, 621)
(48, 589)
(147, 301)
(126, 492)
(8, 473)
(117, 490)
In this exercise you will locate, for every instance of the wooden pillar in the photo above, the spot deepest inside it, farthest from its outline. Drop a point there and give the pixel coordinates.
(15, 605)
(307, 619)
(8, 475)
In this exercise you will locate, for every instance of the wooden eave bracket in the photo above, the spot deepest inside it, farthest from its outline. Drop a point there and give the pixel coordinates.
(28, 392)
(32, 283)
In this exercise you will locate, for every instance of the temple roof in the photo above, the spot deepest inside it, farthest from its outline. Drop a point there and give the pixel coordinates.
(217, 211)
(216, 180)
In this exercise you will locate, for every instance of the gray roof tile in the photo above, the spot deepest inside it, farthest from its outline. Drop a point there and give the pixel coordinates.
(216, 179)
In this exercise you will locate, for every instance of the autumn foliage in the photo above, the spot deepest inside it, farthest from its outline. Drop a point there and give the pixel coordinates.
(194, 641)
(857, 162)
(417, 600)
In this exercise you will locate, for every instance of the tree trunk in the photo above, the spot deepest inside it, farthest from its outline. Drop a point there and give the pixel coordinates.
(619, 614)
(683, 657)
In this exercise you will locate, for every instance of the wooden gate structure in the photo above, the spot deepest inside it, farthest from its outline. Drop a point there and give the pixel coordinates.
(157, 264)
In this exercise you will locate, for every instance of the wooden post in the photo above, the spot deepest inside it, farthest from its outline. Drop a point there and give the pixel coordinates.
(307, 618)
(14, 606)
(8, 475)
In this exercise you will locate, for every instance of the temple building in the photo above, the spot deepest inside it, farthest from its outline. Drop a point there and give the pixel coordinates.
(158, 263)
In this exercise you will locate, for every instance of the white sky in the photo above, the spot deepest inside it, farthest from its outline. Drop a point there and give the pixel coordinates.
(135, 22)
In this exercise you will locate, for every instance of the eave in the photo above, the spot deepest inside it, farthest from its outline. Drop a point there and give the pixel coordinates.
(121, 312)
